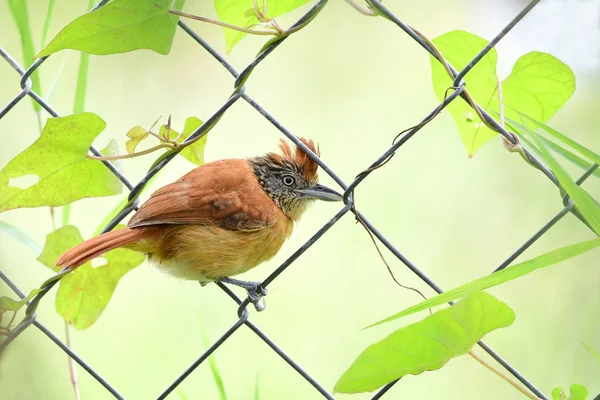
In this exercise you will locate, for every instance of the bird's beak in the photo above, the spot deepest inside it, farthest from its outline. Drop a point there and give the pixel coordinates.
(320, 192)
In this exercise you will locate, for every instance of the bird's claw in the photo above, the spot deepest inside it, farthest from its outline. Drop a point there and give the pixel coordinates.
(256, 297)
(255, 290)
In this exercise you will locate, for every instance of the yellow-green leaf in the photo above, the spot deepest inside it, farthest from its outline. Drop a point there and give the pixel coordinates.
(194, 152)
(135, 135)
(538, 86)
(56, 167)
(459, 48)
(497, 278)
(119, 27)
(84, 294)
(426, 345)
(241, 13)
(578, 392)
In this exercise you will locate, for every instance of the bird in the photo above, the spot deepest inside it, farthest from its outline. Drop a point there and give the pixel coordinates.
(220, 219)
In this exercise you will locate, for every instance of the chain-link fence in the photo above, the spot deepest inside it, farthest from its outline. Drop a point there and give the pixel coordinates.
(458, 90)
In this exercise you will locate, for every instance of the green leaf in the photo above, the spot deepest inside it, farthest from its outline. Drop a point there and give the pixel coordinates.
(19, 235)
(84, 293)
(426, 345)
(578, 392)
(538, 86)
(213, 364)
(459, 48)
(592, 351)
(119, 27)
(241, 13)
(20, 14)
(58, 161)
(591, 155)
(505, 275)
(584, 203)
(47, 22)
(556, 148)
(194, 152)
(256, 388)
(135, 135)
(8, 304)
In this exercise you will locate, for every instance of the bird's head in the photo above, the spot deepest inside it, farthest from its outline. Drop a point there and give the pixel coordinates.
(290, 178)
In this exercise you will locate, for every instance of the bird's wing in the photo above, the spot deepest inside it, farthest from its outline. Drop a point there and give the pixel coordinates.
(223, 193)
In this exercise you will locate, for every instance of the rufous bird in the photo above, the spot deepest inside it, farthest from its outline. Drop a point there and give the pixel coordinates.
(220, 219)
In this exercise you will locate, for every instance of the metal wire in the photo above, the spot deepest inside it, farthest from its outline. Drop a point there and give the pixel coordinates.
(240, 93)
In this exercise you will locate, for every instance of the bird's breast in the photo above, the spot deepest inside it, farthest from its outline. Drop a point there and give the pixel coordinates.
(206, 253)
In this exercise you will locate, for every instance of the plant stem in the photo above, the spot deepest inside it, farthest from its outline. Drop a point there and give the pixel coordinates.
(72, 368)
(132, 155)
(502, 376)
(363, 11)
(223, 24)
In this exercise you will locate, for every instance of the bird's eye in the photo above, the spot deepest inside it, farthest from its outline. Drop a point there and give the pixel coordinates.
(288, 180)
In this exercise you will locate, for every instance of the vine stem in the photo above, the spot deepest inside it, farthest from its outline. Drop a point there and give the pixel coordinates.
(72, 368)
(223, 24)
(362, 10)
(133, 155)
(502, 376)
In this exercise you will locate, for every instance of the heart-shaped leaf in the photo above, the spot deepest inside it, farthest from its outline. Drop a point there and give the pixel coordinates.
(119, 27)
(426, 345)
(57, 164)
(84, 294)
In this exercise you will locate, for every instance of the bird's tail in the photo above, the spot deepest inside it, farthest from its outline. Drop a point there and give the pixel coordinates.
(99, 245)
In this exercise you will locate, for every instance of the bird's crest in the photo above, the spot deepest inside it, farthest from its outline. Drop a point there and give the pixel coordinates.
(298, 157)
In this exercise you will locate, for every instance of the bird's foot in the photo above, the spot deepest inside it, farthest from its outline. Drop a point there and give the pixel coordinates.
(256, 292)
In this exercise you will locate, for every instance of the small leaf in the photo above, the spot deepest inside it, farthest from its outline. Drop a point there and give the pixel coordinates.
(135, 135)
(426, 345)
(558, 394)
(119, 27)
(194, 152)
(459, 48)
(505, 275)
(58, 160)
(538, 86)
(241, 13)
(84, 293)
(578, 392)
(8, 304)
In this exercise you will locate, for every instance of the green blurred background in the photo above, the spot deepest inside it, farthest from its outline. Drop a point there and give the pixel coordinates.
(351, 83)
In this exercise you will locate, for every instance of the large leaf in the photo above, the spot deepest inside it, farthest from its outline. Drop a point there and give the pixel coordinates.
(84, 293)
(578, 392)
(426, 345)
(58, 161)
(499, 277)
(194, 152)
(459, 48)
(119, 27)
(241, 13)
(539, 85)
